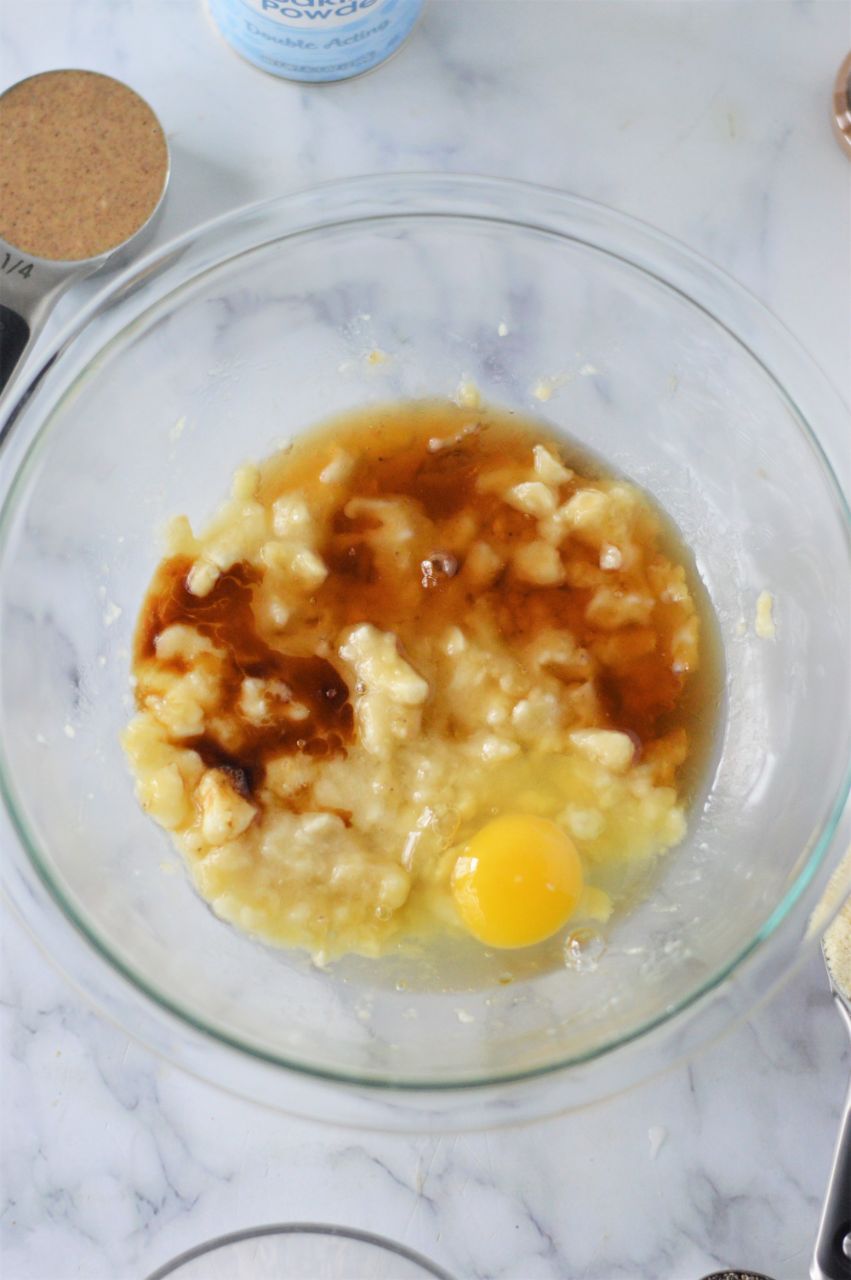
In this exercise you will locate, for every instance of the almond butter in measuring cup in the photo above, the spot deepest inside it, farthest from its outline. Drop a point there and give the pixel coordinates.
(84, 166)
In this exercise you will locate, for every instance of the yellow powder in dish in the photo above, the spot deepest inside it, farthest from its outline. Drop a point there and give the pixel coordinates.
(82, 167)
(837, 950)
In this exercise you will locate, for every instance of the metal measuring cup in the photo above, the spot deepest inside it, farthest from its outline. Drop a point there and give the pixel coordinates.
(30, 285)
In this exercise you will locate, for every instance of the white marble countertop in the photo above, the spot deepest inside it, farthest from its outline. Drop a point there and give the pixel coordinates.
(709, 120)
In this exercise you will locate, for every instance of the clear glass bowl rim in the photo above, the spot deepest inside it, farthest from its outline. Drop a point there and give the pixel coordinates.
(500, 201)
(379, 1243)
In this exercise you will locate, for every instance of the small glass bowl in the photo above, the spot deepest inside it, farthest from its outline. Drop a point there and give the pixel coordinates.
(300, 1251)
(221, 347)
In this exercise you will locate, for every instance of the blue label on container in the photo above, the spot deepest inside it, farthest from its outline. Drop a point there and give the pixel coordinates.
(315, 39)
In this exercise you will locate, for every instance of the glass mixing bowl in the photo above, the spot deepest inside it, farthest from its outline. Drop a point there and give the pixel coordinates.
(220, 348)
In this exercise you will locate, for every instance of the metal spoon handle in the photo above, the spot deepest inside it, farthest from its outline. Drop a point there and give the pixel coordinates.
(832, 1256)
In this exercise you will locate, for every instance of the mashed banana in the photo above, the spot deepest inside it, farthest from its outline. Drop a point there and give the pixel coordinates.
(390, 634)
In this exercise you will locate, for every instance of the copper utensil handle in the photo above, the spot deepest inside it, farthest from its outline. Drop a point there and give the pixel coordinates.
(841, 113)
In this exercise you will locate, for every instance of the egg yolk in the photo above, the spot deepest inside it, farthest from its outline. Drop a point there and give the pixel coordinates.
(517, 881)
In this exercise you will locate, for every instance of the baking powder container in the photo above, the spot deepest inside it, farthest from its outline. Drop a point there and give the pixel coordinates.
(315, 40)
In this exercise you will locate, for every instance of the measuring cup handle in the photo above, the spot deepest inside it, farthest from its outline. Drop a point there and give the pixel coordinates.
(29, 288)
(14, 337)
(832, 1256)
